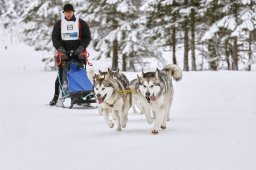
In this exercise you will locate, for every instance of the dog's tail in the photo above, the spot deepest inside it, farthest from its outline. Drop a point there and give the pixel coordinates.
(90, 72)
(174, 71)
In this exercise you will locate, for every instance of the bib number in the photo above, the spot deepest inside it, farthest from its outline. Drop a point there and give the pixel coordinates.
(70, 27)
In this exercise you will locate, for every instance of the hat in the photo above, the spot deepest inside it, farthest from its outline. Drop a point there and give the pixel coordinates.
(68, 7)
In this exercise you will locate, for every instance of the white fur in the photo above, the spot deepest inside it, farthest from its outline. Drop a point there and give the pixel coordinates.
(160, 108)
(173, 70)
(115, 103)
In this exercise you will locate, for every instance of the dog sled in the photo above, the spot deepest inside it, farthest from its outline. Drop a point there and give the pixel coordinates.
(74, 82)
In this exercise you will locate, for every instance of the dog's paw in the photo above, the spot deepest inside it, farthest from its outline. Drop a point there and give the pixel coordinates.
(119, 127)
(123, 126)
(163, 127)
(154, 132)
(111, 125)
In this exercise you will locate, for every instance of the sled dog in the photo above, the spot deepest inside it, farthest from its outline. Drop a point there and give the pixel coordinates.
(155, 92)
(109, 90)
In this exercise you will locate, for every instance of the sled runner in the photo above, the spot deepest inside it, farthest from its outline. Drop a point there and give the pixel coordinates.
(75, 83)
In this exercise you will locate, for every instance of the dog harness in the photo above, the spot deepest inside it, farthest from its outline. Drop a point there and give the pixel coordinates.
(115, 99)
(126, 91)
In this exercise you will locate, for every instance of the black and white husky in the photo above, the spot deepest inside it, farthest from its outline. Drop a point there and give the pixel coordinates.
(155, 92)
(109, 90)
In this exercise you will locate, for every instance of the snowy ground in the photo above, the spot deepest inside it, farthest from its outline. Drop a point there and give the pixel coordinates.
(213, 125)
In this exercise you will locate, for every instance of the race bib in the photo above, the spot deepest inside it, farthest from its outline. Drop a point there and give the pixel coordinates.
(69, 29)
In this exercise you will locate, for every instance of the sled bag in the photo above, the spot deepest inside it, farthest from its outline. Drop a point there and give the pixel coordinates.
(78, 80)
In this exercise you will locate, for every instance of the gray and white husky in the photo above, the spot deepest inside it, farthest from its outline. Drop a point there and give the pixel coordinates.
(109, 92)
(155, 92)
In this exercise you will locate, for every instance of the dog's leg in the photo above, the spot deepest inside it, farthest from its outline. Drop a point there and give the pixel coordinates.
(166, 113)
(167, 116)
(124, 119)
(168, 108)
(117, 117)
(160, 116)
(136, 106)
(134, 110)
(147, 113)
(154, 114)
(107, 120)
(100, 110)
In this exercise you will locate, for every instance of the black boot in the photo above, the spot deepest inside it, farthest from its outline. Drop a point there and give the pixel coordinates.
(54, 100)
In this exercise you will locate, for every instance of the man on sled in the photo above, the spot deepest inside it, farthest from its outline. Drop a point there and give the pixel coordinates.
(70, 37)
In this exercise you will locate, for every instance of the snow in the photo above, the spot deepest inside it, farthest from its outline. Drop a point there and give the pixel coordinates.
(213, 124)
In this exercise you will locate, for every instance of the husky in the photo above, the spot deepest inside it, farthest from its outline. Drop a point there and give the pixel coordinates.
(109, 90)
(155, 91)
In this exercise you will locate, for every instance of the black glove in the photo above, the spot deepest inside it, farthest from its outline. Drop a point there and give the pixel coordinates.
(80, 65)
(61, 49)
(79, 50)
(82, 58)
(64, 55)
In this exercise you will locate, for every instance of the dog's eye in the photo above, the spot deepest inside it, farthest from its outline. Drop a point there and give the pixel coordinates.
(103, 88)
(144, 86)
(152, 86)
(97, 89)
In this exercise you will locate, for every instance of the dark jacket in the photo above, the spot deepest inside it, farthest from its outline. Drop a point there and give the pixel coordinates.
(84, 36)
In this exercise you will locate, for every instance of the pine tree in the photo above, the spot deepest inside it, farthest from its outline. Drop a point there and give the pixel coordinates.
(162, 23)
(237, 21)
(185, 29)
(193, 19)
(106, 18)
(116, 32)
(38, 20)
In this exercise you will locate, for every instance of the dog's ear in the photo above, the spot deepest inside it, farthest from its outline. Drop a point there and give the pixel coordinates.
(157, 74)
(138, 80)
(95, 78)
(142, 72)
(100, 72)
(110, 71)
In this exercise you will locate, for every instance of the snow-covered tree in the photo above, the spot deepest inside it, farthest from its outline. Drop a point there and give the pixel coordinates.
(133, 32)
(38, 20)
(106, 17)
(161, 16)
(231, 30)
(11, 10)
(116, 32)
(8, 13)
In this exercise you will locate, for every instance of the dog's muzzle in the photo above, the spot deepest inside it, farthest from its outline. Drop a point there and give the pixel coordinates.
(100, 99)
(150, 98)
